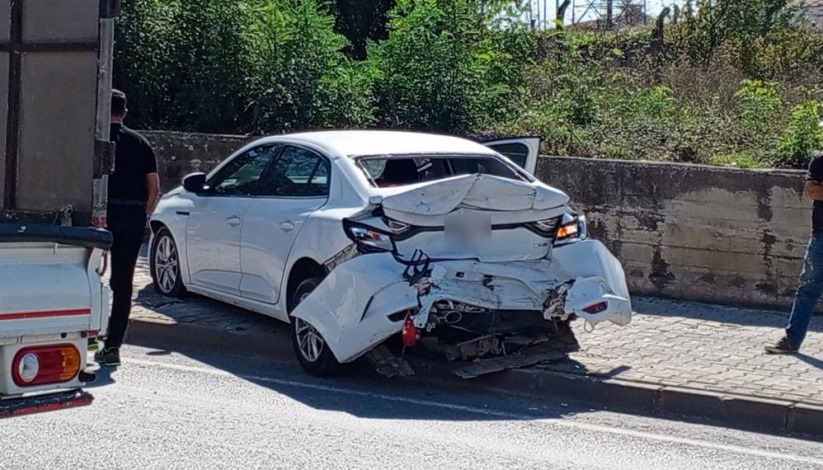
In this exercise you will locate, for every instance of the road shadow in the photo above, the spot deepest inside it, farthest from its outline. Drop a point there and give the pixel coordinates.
(812, 361)
(196, 309)
(360, 392)
(357, 390)
(103, 377)
(661, 307)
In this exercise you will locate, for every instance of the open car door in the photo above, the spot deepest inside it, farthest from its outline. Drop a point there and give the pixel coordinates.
(522, 151)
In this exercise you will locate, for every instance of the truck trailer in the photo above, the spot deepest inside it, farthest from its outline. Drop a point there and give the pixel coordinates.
(55, 100)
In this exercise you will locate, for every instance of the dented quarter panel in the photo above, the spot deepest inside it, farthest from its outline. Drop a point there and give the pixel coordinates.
(336, 307)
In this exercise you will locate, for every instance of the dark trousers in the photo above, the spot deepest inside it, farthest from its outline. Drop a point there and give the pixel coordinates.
(127, 225)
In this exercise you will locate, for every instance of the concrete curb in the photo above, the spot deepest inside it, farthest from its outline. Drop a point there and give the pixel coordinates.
(738, 411)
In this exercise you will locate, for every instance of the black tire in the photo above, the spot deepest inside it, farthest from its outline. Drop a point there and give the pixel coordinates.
(310, 348)
(164, 264)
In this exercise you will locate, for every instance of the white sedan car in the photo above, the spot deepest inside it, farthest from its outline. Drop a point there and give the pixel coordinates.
(359, 237)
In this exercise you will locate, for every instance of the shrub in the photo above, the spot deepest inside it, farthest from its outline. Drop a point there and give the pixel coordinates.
(299, 79)
(443, 69)
(802, 137)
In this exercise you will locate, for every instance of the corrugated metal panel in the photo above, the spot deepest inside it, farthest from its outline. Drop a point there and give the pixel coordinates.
(5, 19)
(60, 20)
(57, 130)
(4, 109)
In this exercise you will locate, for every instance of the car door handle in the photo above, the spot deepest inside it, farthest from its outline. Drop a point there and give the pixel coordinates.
(287, 226)
(234, 221)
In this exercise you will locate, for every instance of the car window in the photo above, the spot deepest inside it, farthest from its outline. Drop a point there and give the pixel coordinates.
(241, 176)
(395, 171)
(517, 152)
(297, 172)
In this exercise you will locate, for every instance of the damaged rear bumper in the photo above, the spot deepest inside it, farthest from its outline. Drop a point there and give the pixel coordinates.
(365, 300)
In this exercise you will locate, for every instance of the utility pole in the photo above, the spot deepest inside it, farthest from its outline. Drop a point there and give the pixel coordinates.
(609, 14)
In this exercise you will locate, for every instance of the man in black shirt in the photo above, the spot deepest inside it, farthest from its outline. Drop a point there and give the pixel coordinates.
(811, 278)
(133, 191)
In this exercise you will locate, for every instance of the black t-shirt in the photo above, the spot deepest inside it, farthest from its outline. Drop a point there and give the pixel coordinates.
(815, 173)
(134, 159)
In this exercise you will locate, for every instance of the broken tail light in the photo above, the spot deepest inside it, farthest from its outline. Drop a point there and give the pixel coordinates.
(571, 228)
(368, 239)
(596, 308)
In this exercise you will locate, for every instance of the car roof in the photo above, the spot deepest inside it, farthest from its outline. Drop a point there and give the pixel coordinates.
(355, 143)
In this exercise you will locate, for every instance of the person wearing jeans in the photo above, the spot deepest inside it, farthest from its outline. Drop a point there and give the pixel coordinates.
(811, 277)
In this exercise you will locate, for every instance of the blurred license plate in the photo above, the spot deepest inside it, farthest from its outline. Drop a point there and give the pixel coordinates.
(468, 231)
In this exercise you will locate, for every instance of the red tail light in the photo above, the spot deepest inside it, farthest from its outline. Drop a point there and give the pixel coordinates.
(45, 365)
(409, 333)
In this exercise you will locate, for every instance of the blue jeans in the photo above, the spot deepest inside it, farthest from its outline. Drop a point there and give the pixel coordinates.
(808, 293)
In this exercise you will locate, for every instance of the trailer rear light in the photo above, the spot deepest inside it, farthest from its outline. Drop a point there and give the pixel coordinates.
(596, 308)
(45, 365)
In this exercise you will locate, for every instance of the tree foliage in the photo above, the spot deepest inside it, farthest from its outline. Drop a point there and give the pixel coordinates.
(716, 81)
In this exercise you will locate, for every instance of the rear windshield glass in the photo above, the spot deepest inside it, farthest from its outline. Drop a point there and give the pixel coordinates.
(386, 172)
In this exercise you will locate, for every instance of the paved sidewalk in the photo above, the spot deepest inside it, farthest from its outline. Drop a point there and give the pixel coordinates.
(704, 347)
(677, 344)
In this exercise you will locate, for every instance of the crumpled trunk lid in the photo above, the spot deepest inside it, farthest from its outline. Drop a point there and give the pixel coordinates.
(478, 216)
(478, 191)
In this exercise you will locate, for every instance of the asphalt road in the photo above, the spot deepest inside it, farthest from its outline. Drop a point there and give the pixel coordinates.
(169, 411)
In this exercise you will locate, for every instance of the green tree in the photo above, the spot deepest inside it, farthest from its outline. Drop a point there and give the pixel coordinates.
(299, 79)
(209, 60)
(361, 21)
(141, 66)
(444, 68)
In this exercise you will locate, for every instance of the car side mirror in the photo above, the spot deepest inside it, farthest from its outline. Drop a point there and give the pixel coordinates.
(195, 183)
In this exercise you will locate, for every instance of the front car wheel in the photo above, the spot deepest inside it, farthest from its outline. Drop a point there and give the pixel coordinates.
(164, 260)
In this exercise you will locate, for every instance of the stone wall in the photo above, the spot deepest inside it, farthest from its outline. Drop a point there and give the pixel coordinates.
(682, 231)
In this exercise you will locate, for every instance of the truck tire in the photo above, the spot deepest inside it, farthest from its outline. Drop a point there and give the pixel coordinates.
(164, 264)
(310, 347)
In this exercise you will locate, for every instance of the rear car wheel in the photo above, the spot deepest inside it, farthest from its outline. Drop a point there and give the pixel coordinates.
(164, 260)
(311, 349)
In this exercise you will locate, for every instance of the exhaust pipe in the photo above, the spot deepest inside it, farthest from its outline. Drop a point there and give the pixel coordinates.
(452, 317)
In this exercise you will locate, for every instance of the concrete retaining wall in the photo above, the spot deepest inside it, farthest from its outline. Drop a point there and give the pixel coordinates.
(683, 231)
(694, 232)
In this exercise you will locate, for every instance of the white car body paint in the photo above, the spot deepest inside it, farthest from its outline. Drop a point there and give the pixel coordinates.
(352, 305)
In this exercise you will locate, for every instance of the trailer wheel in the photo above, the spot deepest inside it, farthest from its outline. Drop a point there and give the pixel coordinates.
(164, 263)
(310, 347)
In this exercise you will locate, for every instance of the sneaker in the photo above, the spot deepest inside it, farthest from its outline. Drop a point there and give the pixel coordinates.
(94, 345)
(784, 346)
(108, 357)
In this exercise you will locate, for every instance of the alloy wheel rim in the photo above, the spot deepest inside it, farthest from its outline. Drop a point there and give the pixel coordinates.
(309, 341)
(166, 264)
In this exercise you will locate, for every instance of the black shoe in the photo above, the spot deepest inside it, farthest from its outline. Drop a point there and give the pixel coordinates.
(108, 357)
(784, 346)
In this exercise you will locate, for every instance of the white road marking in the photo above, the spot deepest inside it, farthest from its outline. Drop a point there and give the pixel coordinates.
(497, 414)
